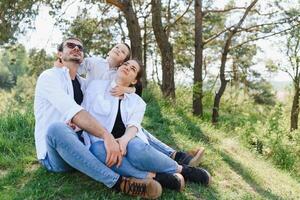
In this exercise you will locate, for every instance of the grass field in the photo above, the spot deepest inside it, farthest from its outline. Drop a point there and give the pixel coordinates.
(238, 173)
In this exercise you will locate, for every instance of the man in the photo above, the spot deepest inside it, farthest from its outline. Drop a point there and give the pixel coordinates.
(59, 93)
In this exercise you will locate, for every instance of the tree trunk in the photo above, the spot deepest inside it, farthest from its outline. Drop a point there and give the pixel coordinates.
(218, 95)
(198, 82)
(145, 52)
(166, 50)
(215, 111)
(295, 107)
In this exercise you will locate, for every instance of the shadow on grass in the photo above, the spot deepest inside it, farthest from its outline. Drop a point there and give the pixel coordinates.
(155, 123)
(41, 184)
(193, 129)
(248, 177)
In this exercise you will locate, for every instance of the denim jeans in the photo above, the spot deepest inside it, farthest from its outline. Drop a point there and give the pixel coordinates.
(66, 152)
(158, 145)
(140, 159)
(125, 169)
(147, 157)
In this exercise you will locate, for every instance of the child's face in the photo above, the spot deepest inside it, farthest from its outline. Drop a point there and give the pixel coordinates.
(118, 53)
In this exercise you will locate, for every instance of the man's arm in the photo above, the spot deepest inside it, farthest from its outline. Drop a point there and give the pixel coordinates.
(50, 88)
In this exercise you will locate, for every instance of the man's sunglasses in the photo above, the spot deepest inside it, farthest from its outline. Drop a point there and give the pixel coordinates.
(72, 45)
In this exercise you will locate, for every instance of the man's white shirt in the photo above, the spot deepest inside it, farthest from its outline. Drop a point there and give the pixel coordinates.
(53, 102)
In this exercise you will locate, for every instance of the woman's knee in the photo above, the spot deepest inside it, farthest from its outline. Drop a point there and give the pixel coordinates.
(137, 149)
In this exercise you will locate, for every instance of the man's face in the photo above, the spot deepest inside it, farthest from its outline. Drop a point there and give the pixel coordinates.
(118, 53)
(128, 71)
(72, 51)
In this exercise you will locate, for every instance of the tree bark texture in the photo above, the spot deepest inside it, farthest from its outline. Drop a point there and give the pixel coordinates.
(295, 106)
(198, 81)
(166, 50)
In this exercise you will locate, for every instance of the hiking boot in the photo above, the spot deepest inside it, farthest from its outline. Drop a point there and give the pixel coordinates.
(196, 174)
(145, 188)
(192, 158)
(170, 181)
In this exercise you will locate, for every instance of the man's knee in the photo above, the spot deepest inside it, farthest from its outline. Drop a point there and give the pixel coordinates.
(57, 129)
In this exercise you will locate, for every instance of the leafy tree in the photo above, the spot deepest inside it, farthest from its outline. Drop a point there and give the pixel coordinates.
(261, 92)
(12, 13)
(98, 35)
(38, 62)
(14, 62)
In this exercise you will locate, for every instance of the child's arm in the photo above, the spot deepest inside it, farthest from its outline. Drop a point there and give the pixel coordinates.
(120, 90)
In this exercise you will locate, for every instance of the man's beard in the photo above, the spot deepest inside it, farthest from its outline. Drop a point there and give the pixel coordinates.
(74, 60)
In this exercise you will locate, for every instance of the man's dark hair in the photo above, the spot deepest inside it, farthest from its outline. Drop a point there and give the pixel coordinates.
(60, 47)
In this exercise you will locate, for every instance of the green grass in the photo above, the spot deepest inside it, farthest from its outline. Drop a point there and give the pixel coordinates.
(238, 173)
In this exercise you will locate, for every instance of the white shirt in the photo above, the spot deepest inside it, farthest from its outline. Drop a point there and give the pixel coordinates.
(96, 68)
(104, 107)
(53, 102)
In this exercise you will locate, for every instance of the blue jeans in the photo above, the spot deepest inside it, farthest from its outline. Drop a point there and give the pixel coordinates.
(65, 152)
(140, 159)
(158, 145)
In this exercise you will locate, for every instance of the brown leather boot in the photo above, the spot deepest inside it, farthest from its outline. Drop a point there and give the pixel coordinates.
(145, 188)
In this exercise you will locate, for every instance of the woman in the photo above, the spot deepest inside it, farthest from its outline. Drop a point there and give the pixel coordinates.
(97, 68)
(122, 116)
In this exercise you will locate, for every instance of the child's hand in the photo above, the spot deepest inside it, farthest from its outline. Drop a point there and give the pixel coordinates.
(58, 63)
(118, 91)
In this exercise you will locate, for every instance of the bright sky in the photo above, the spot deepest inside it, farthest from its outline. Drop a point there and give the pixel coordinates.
(47, 36)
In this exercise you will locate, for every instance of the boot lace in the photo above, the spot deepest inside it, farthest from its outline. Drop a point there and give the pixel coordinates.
(135, 188)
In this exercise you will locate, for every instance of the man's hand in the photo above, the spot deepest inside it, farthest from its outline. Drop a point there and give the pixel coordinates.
(113, 153)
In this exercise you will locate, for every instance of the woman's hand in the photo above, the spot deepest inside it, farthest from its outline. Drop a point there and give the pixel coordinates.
(123, 141)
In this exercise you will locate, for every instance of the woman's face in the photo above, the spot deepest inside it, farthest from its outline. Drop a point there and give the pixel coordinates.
(118, 53)
(128, 71)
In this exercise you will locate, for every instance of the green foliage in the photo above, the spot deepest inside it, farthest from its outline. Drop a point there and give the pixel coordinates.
(98, 34)
(262, 92)
(12, 13)
(38, 61)
(13, 64)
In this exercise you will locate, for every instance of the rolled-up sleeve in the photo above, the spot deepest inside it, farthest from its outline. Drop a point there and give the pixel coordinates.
(135, 117)
(50, 88)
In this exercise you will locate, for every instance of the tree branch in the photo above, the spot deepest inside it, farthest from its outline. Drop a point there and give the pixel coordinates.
(118, 4)
(224, 10)
(215, 36)
(168, 26)
(263, 37)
